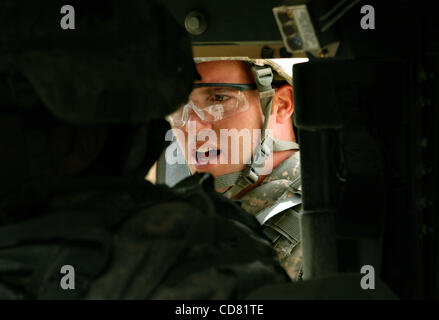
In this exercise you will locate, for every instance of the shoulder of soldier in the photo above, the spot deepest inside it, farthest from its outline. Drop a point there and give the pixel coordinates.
(143, 243)
(200, 246)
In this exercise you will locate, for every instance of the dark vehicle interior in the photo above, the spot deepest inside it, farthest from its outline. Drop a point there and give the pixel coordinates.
(366, 117)
(367, 120)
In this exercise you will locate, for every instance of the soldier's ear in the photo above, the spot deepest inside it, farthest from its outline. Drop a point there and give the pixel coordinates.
(283, 103)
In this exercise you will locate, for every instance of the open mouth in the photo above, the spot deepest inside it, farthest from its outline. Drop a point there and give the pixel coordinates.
(208, 156)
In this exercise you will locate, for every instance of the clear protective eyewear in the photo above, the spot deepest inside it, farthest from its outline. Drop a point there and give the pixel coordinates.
(213, 102)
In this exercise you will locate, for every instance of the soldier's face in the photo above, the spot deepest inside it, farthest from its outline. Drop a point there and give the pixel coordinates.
(225, 154)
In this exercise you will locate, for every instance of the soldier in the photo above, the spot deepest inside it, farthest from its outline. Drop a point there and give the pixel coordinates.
(75, 121)
(242, 93)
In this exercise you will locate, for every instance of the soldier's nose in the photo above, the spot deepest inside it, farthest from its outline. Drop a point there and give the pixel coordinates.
(195, 120)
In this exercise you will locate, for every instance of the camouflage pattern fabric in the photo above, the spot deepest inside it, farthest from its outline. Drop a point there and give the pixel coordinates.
(138, 242)
(283, 181)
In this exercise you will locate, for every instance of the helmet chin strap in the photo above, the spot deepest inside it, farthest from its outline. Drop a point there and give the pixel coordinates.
(240, 180)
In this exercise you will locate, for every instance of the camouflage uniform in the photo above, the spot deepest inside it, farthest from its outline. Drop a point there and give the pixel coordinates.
(138, 242)
(283, 228)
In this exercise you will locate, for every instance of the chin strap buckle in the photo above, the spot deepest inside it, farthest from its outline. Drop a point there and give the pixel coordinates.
(251, 176)
(263, 77)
